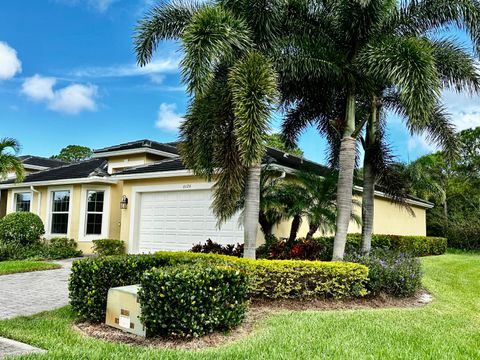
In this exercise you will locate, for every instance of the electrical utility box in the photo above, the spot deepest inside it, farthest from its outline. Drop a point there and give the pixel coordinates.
(123, 309)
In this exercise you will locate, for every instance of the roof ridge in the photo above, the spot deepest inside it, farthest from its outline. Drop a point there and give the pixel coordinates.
(67, 165)
(142, 141)
(147, 165)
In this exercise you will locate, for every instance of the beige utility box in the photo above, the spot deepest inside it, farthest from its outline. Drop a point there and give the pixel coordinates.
(123, 309)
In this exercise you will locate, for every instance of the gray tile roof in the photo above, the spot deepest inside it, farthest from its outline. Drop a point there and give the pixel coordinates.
(139, 144)
(41, 161)
(78, 170)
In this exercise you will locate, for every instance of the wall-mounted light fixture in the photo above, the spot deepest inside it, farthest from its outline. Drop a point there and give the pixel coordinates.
(124, 202)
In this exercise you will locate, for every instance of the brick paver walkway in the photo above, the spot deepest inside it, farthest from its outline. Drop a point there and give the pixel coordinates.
(33, 292)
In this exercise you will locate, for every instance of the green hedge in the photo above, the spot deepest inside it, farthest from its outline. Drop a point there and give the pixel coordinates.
(91, 278)
(193, 300)
(415, 245)
(106, 247)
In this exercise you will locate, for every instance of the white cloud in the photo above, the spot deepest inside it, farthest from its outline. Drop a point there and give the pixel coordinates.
(39, 87)
(168, 118)
(156, 67)
(71, 99)
(10, 64)
(464, 109)
(97, 5)
(420, 143)
(74, 98)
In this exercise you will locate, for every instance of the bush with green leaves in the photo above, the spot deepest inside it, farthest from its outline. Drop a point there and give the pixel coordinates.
(61, 248)
(193, 300)
(107, 247)
(23, 228)
(393, 273)
(321, 248)
(91, 278)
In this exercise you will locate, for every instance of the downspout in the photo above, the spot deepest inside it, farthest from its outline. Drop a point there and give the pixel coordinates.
(39, 201)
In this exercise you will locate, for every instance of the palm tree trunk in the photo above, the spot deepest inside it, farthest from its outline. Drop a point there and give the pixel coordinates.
(346, 166)
(297, 219)
(265, 225)
(252, 208)
(312, 229)
(368, 196)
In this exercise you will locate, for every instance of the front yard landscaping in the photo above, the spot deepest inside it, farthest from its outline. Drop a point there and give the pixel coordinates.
(11, 267)
(445, 329)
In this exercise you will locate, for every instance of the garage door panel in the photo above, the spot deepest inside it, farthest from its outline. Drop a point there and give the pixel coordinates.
(176, 220)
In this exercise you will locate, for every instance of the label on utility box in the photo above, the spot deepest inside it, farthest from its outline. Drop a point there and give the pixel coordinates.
(124, 321)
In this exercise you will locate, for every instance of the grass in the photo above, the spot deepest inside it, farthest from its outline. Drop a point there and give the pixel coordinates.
(449, 328)
(18, 266)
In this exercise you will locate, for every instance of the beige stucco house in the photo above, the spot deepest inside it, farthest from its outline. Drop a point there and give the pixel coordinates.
(141, 193)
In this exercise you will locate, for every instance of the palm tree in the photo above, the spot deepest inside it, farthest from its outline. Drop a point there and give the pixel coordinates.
(354, 46)
(233, 87)
(10, 162)
(456, 70)
(305, 195)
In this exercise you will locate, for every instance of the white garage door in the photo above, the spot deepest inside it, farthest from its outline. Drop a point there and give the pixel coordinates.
(175, 220)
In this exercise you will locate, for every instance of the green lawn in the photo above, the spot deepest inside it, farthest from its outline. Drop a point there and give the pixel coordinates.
(11, 267)
(449, 328)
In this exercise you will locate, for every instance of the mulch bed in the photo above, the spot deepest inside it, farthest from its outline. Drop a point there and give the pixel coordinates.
(258, 310)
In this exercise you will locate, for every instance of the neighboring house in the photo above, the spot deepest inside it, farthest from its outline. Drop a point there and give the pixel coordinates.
(141, 193)
(31, 164)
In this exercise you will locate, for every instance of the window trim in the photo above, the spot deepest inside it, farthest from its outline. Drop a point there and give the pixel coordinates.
(82, 226)
(50, 191)
(21, 191)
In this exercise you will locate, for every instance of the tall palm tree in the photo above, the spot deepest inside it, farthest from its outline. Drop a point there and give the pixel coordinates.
(457, 70)
(362, 43)
(9, 161)
(233, 87)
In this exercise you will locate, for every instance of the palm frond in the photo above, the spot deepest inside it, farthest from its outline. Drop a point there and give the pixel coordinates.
(163, 22)
(253, 84)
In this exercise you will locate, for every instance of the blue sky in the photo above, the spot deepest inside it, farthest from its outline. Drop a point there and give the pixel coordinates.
(68, 76)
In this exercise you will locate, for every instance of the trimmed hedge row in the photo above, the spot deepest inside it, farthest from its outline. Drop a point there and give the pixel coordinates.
(91, 278)
(321, 248)
(414, 245)
(193, 300)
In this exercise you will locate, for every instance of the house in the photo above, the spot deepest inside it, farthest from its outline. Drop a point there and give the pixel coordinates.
(141, 193)
(31, 164)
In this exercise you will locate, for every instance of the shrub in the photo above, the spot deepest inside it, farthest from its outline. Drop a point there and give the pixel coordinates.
(211, 247)
(193, 300)
(462, 235)
(23, 228)
(61, 248)
(391, 273)
(91, 278)
(106, 247)
(321, 248)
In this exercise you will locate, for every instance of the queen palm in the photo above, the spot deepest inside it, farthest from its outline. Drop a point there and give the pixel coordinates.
(360, 44)
(9, 161)
(233, 87)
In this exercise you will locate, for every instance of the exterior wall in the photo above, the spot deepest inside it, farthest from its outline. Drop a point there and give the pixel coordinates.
(76, 213)
(389, 218)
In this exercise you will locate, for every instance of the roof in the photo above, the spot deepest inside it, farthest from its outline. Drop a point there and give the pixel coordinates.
(273, 156)
(83, 169)
(40, 161)
(139, 144)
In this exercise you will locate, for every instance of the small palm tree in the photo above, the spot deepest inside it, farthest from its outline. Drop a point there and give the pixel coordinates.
(304, 196)
(9, 161)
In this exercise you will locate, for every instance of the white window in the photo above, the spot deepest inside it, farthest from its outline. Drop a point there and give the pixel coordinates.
(94, 212)
(23, 201)
(60, 211)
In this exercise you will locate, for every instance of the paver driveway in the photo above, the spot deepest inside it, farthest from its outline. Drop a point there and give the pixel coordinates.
(32, 292)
